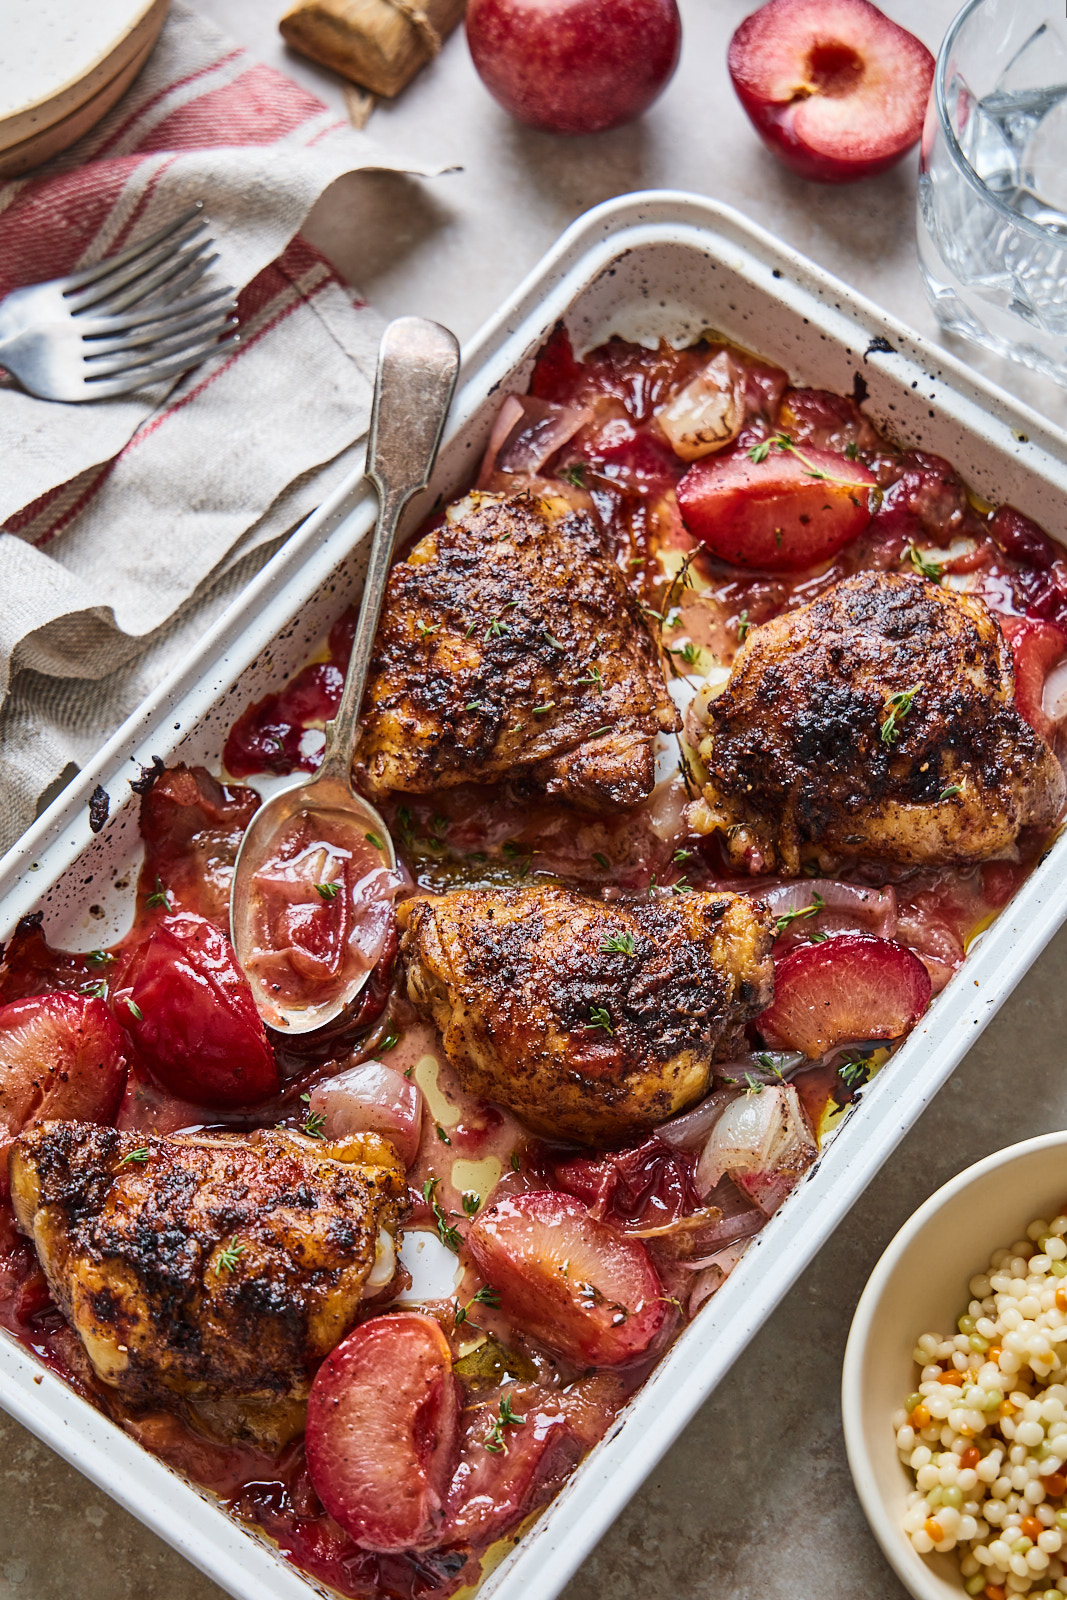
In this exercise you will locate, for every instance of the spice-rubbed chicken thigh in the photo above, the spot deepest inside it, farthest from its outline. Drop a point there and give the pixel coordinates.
(876, 721)
(210, 1268)
(509, 646)
(589, 1020)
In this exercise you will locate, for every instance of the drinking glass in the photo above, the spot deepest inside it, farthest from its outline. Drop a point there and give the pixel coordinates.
(993, 182)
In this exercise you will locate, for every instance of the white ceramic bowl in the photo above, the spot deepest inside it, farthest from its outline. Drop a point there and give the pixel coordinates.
(920, 1286)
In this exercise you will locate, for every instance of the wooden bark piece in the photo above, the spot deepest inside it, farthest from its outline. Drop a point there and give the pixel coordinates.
(380, 44)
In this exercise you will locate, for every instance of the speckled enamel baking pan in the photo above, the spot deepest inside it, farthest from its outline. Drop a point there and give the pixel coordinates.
(646, 265)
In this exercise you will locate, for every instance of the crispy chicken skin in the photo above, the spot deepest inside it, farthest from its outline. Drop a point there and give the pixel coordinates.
(509, 646)
(524, 985)
(801, 766)
(216, 1269)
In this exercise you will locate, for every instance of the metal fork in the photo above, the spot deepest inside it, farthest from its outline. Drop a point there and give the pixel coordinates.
(123, 323)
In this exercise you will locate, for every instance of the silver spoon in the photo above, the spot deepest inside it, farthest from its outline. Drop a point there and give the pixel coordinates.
(318, 822)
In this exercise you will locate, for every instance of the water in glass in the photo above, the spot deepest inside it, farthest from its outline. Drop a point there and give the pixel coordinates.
(993, 198)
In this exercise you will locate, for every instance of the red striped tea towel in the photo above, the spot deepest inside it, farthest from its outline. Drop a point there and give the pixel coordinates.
(121, 520)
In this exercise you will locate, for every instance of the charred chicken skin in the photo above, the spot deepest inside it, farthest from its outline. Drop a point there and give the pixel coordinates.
(876, 721)
(213, 1269)
(509, 646)
(589, 1020)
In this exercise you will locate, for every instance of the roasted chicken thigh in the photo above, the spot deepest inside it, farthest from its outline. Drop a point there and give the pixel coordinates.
(590, 1020)
(209, 1268)
(876, 721)
(509, 646)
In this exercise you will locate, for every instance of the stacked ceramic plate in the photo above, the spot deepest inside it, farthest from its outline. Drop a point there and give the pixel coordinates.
(63, 64)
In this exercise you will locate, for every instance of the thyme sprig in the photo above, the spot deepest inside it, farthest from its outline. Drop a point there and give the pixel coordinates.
(506, 1419)
(783, 922)
(600, 1017)
(782, 441)
(448, 1235)
(228, 1257)
(486, 1296)
(621, 944)
(896, 709)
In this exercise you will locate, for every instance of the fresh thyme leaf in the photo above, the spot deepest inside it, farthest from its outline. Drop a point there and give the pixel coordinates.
(486, 1296)
(391, 1040)
(852, 450)
(540, 711)
(854, 1071)
(100, 958)
(313, 1124)
(133, 1008)
(557, 644)
(328, 891)
(924, 567)
(600, 1017)
(158, 897)
(782, 923)
(601, 860)
(743, 626)
(470, 630)
(621, 944)
(472, 1203)
(754, 1085)
(595, 677)
(598, 733)
(96, 991)
(514, 1162)
(228, 1257)
(689, 652)
(575, 474)
(682, 579)
(372, 838)
(953, 788)
(473, 705)
(139, 1156)
(681, 887)
(448, 1235)
(507, 1419)
(497, 627)
(768, 1063)
(424, 631)
(441, 1134)
(681, 854)
(896, 708)
(761, 451)
(817, 938)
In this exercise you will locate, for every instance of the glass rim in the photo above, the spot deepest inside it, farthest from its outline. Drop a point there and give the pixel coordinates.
(1027, 224)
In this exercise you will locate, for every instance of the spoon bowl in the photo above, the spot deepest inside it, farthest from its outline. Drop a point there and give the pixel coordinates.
(315, 877)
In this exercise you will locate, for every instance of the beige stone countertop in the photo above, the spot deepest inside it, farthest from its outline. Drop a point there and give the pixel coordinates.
(754, 1502)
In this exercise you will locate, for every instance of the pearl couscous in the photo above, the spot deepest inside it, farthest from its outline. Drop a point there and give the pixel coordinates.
(985, 1433)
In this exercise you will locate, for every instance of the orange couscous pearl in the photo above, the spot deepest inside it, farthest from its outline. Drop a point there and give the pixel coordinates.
(920, 1417)
(1030, 1528)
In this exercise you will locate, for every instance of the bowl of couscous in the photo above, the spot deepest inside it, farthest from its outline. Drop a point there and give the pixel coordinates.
(954, 1389)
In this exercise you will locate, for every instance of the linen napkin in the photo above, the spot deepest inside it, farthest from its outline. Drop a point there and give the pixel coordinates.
(125, 525)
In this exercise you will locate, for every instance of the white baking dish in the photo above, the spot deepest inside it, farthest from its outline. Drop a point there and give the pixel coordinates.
(645, 265)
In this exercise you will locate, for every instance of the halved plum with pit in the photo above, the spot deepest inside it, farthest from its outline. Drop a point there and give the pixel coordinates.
(382, 1432)
(572, 1282)
(776, 508)
(851, 987)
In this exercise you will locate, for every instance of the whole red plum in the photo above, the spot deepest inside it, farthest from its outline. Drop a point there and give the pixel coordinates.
(574, 66)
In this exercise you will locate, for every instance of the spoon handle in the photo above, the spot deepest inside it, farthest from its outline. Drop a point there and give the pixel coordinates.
(418, 362)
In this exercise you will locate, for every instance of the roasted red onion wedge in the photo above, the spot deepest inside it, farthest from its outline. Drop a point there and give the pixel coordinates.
(763, 1142)
(371, 1098)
